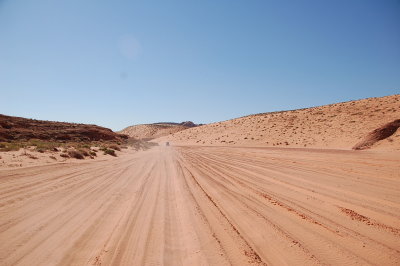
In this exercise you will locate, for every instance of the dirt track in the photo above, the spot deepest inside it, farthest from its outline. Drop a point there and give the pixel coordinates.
(205, 206)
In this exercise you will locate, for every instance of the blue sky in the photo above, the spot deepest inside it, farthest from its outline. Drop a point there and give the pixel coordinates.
(118, 63)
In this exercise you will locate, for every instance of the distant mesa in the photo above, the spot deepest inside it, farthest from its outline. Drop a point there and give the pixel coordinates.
(188, 124)
(18, 128)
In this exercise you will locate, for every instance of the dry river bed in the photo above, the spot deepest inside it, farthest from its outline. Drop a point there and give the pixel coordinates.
(205, 206)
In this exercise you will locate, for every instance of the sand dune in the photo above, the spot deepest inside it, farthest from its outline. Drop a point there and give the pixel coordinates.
(337, 126)
(205, 206)
(151, 131)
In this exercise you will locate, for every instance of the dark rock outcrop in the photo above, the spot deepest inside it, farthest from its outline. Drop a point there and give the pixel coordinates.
(18, 128)
(378, 134)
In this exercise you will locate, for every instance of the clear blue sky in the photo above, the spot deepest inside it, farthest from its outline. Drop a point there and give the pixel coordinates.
(118, 63)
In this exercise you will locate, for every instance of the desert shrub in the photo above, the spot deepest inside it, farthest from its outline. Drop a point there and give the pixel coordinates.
(114, 147)
(92, 153)
(64, 155)
(75, 154)
(110, 152)
(84, 152)
(85, 146)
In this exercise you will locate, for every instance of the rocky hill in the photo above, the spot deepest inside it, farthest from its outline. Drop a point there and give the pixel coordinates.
(18, 128)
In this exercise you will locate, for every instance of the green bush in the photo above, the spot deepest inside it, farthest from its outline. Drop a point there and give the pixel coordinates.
(110, 152)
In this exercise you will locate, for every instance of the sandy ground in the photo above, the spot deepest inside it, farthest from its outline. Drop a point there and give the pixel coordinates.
(205, 206)
(29, 157)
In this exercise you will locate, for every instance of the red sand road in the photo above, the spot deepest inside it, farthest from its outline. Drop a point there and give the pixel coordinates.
(205, 206)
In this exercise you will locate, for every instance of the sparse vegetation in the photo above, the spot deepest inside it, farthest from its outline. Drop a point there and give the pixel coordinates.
(84, 152)
(42, 145)
(55, 146)
(10, 146)
(114, 147)
(109, 152)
